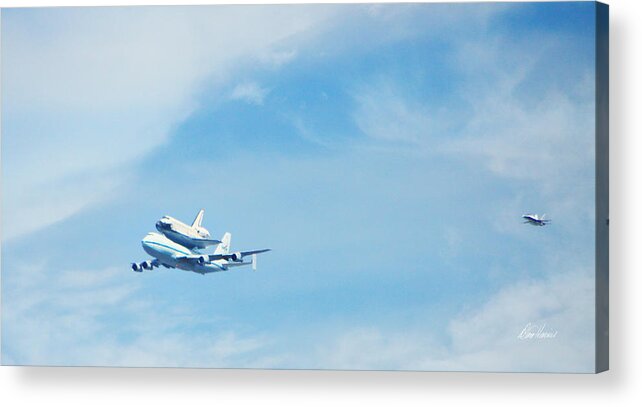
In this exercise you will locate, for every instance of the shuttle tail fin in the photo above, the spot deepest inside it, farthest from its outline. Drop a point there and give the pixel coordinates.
(224, 247)
(199, 219)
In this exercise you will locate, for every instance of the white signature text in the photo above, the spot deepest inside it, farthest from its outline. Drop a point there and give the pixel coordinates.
(535, 331)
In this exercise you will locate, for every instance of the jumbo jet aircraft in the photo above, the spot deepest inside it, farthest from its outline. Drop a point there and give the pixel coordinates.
(192, 237)
(170, 254)
(535, 219)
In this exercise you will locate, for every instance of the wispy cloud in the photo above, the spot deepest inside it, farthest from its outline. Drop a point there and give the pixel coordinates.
(277, 58)
(65, 321)
(249, 92)
(489, 335)
(485, 337)
(65, 318)
(96, 96)
(504, 121)
(385, 114)
(406, 181)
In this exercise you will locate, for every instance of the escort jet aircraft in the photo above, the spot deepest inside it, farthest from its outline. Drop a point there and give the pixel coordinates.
(192, 237)
(170, 254)
(535, 219)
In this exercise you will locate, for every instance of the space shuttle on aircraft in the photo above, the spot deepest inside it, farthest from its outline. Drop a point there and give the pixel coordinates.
(169, 254)
(191, 237)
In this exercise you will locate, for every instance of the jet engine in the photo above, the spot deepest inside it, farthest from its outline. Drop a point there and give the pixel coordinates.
(236, 256)
(147, 265)
(203, 260)
(136, 267)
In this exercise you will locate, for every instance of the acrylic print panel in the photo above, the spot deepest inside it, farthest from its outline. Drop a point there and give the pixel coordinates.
(424, 175)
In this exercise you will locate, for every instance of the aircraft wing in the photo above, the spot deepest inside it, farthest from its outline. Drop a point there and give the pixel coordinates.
(227, 256)
(200, 257)
(249, 252)
(232, 256)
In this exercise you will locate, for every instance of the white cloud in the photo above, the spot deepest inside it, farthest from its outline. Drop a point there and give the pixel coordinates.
(515, 138)
(373, 348)
(93, 90)
(249, 92)
(511, 134)
(526, 129)
(385, 114)
(33, 205)
(277, 58)
(508, 123)
(67, 317)
(484, 338)
(549, 147)
(119, 103)
(488, 336)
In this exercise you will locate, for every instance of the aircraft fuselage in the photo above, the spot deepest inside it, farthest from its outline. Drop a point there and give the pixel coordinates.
(535, 220)
(168, 251)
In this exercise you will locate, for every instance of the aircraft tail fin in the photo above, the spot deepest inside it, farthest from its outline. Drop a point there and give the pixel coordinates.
(199, 219)
(224, 247)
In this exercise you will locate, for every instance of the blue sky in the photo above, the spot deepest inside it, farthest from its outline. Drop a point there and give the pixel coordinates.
(384, 152)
